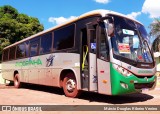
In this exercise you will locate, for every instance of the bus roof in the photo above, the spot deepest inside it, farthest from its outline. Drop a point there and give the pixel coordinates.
(101, 12)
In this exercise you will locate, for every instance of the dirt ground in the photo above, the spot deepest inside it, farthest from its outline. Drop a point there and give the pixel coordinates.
(42, 95)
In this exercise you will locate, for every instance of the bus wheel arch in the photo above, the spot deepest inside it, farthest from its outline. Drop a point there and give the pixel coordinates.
(16, 79)
(63, 74)
(69, 83)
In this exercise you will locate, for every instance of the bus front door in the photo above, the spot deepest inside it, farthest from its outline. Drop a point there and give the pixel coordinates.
(92, 50)
(103, 64)
(98, 59)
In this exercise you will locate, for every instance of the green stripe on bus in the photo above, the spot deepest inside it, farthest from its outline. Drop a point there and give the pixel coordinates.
(117, 77)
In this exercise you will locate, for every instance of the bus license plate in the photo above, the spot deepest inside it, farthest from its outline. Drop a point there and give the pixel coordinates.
(145, 89)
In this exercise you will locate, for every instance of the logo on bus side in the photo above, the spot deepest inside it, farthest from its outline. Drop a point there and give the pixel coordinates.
(49, 60)
(95, 80)
(29, 62)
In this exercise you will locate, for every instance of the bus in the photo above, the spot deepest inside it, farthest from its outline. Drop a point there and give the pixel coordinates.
(100, 51)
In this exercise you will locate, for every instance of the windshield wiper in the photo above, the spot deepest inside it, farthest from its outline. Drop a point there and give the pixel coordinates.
(144, 42)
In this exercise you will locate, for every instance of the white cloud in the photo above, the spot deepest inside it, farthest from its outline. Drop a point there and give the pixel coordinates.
(60, 20)
(134, 15)
(102, 1)
(151, 7)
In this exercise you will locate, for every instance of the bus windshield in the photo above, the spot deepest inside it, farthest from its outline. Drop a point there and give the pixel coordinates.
(130, 40)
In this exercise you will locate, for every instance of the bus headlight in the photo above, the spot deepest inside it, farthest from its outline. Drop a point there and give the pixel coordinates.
(125, 86)
(123, 71)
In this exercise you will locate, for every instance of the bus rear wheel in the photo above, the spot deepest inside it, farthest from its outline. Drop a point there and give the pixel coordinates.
(17, 82)
(70, 86)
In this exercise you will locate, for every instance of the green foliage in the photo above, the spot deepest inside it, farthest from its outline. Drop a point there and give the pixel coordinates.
(156, 45)
(3, 43)
(8, 11)
(15, 26)
(155, 28)
(155, 32)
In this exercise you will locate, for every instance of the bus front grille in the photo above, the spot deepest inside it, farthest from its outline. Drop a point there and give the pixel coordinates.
(143, 85)
(144, 77)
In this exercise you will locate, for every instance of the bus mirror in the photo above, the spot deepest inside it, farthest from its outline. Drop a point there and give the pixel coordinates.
(110, 24)
(110, 29)
(109, 18)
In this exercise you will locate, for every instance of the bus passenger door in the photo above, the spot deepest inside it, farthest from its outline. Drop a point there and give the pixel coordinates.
(92, 50)
(103, 65)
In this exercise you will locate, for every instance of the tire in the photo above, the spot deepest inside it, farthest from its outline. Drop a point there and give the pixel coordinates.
(70, 86)
(17, 83)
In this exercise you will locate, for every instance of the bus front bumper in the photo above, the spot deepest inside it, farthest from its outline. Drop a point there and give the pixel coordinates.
(130, 84)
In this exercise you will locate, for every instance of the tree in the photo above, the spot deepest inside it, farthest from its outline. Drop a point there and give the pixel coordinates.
(8, 11)
(4, 42)
(155, 28)
(15, 26)
(155, 33)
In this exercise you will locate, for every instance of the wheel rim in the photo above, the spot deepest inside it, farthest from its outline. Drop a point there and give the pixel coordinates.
(70, 84)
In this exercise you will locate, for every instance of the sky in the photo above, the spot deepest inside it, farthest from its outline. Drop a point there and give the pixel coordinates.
(53, 12)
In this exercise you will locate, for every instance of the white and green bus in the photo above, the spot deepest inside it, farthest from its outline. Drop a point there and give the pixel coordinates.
(100, 51)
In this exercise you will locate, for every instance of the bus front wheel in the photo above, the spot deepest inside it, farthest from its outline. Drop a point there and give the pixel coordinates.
(17, 82)
(70, 86)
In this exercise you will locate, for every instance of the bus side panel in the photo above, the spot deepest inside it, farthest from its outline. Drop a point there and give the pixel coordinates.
(65, 61)
(104, 81)
(52, 66)
(25, 74)
(8, 69)
(78, 77)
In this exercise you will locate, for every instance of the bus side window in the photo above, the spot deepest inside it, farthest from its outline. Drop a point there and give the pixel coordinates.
(46, 43)
(103, 46)
(64, 37)
(93, 42)
(20, 51)
(12, 53)
(26, 48)
(5, 55)
(34, 45)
